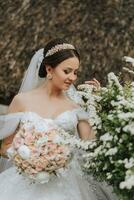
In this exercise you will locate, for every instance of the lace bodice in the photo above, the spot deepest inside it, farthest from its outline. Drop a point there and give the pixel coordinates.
(67, 120)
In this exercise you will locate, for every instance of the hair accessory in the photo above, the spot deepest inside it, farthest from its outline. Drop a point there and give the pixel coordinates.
(59, 47)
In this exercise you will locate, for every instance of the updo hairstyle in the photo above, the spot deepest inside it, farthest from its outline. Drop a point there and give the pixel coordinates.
(56, 58)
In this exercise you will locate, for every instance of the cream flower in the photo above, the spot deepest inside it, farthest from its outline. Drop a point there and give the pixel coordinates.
(24, 152)
(42, 177)
(10, 152)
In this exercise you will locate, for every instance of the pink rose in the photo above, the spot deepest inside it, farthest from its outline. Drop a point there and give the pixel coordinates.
(39, 168)
(29, 139)
(17, 142)
(61, 149)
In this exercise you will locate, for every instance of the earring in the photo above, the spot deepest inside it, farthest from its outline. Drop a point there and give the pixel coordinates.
(49, 76)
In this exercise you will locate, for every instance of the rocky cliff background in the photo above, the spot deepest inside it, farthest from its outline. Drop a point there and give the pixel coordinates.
(102, 30)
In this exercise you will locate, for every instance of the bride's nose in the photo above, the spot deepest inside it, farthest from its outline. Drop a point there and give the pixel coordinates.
(72, 77)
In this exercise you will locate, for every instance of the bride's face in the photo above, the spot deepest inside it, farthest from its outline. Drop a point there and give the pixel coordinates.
(65, 73)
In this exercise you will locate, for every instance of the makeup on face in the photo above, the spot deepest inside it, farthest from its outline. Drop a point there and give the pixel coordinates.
(68, 70)
(66, 73)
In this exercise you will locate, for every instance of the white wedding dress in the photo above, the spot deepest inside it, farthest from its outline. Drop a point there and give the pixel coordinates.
(71, 185)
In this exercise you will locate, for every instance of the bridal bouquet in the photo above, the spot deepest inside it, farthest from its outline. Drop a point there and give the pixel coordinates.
(110, 157)
(40, 151)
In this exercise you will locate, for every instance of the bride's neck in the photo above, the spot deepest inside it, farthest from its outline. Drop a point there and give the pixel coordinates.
(51, 90)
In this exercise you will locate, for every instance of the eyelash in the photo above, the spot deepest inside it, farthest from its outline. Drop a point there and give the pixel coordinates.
(67, 72)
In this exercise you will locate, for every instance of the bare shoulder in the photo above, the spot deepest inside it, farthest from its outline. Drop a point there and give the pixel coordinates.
(18, 102)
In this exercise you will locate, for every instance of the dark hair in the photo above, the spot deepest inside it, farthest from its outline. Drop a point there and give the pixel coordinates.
(56, 58)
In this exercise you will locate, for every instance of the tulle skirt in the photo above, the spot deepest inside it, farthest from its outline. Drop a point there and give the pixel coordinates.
(70, 185)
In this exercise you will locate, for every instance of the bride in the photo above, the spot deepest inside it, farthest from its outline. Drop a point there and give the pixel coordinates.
(47, 92)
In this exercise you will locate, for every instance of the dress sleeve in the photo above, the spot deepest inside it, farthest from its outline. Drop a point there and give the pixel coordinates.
(8, 124)
(82, 115)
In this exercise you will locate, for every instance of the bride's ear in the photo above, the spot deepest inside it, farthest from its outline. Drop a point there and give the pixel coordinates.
(49, 69)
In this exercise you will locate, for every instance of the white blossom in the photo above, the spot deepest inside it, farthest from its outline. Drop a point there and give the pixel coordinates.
(106, 137)
(118, 130)
(120, 112)
(129, 163)
(113, 79)
(126, 116)
(112, 151)
(129, 128)
(128, 183)
(97, 150)
(109, 175)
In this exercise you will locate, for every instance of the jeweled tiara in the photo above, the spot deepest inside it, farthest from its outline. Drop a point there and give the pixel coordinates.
(59, 47)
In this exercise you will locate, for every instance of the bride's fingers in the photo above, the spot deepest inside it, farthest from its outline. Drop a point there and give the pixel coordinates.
(97, 82)
(93, 82)
(90, 82)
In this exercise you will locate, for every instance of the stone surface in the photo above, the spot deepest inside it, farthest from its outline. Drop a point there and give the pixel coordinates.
(103, 31)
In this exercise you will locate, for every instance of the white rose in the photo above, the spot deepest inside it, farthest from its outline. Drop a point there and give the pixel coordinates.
(57, 139)
(10, 152)
(42, 177)
(24, 152)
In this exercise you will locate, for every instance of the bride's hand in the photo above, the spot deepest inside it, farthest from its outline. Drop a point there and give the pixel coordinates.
(3, 150)
(6, 143)
(94, 82)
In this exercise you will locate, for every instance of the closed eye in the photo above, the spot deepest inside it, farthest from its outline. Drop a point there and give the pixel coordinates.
(67, 71)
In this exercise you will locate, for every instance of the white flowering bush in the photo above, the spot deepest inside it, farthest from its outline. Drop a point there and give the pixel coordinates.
(110, 157)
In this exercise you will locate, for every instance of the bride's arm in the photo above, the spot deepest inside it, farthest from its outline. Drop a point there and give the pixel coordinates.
(85, 130)
(14, 107)
(6, 143)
